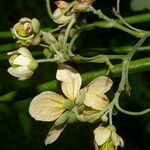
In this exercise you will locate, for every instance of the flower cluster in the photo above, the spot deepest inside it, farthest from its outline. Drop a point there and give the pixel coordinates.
(87, 104)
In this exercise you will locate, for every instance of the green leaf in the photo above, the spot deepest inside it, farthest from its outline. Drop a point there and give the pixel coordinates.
(139, 5)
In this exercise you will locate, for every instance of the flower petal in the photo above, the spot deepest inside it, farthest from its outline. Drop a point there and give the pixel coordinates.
(71, 81)
(101, 135)
(95, 101)
(99, 85)
(21, 60)
(21, 72)
(25, 52)
(46, 106)
(61, 19)
(54, 133)
(117, 140)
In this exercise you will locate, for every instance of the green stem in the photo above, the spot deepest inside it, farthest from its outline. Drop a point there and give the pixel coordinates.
(96, 59)
(5, 35)
(48, 8)
(131, 112)
(48, 60)
(71, 45)
(66, 37)
(8, 47)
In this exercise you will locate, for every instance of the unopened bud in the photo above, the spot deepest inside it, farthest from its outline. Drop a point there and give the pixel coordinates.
(62, 4)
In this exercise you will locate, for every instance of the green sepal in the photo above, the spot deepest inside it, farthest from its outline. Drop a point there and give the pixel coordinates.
(72, 118)
(62, 119)
(35, 25)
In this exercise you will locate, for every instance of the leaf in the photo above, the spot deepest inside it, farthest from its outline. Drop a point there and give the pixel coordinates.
(139, 5)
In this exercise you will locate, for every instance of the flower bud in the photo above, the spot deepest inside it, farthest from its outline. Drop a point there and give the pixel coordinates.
(61, 18)
(22, 63)
(62, 4)
(26, 31)
(82, 5)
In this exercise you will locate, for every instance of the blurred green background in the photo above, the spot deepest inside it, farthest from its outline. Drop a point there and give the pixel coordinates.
(18, 131)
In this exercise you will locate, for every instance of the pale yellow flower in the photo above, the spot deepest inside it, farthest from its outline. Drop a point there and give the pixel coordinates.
(107, 137)
(49, 106)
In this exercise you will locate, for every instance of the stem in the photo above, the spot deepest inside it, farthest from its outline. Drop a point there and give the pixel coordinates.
(66, 37)
(135, 48)
(111, 23)
(96, 59)
(71, 45)
(48, 8)
(8, 47)
(110, 116)
(118, 6)
(48, 60)
(130, 112)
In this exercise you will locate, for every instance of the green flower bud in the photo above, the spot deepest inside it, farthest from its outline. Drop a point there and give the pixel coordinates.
(104, 118)
(26, 31)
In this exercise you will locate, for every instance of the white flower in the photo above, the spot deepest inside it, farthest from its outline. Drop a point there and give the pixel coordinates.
(22, 62)
(107, 137)
(49, 106)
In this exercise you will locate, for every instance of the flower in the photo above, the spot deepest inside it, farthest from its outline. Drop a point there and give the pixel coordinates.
(49, 106)
(61, 15)
(22, 62)
(106, 137)
(27, 31)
